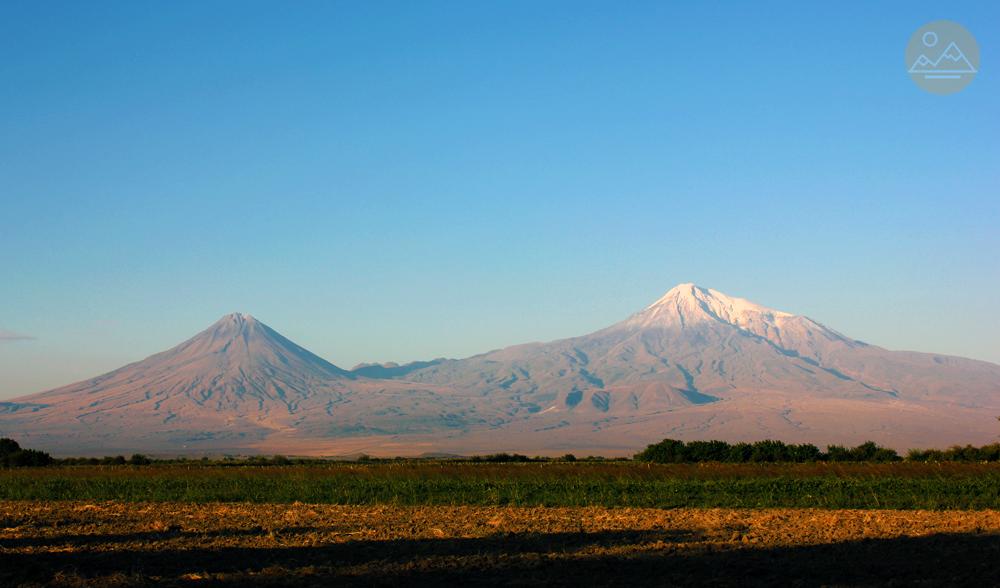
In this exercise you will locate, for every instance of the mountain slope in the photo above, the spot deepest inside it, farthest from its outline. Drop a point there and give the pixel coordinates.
(237, 363)
(702, 364)
(703, 345)
(695, 364)
(236, 383)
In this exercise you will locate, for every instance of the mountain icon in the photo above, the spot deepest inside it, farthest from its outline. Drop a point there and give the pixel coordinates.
(951, 61)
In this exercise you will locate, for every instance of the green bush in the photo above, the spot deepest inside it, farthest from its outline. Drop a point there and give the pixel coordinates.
(501, 458)
(8, 446)
(706, 451)
(666, 451)
(867, 451)
(969, 453)
(13, 456)
(766, 451)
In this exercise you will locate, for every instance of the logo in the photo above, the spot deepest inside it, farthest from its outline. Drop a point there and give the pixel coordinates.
(942, 57)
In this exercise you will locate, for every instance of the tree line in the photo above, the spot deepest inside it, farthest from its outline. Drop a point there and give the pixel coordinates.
(666, 451)
(968, 453)
(770, 451)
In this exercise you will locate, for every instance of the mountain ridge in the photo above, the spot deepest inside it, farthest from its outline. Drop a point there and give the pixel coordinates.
(696, 363)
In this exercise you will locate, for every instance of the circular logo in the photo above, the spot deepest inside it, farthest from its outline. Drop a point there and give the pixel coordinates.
(942, 57)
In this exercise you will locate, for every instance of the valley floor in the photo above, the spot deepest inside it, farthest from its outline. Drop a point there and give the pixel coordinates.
(73, 543)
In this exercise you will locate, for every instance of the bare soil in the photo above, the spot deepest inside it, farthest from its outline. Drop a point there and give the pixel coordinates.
(118, 544)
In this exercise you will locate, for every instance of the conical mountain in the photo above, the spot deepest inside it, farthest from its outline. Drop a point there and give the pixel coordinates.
(229, 387)
(238, 364)
(694, 364)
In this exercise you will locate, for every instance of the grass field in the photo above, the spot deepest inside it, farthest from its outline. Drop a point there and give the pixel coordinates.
(66, 543)
(620, 484)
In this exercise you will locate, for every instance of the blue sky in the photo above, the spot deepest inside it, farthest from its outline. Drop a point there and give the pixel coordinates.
(398, 181)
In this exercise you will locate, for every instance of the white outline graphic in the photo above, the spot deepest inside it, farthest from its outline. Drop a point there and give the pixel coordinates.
(924, 65)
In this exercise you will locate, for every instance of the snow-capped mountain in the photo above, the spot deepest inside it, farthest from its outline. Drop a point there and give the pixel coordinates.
(694, 364)
(700, 364)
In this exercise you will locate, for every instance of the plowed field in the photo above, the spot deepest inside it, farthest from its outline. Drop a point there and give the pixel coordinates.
(121, 544)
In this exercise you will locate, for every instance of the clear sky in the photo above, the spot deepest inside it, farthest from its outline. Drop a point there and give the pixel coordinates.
(396, 181)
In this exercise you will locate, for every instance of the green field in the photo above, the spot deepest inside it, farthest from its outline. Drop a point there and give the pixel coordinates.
(821, 485)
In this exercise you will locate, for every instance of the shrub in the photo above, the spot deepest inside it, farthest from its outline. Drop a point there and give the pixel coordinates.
(27, 458)
(969, 453)
(8, 446)
(869, 451)
(501, 458)
(666, 451)
(768, 451)
(837, 453)
(699, 451)
(740, 452)
(13, 456)
(804, 453)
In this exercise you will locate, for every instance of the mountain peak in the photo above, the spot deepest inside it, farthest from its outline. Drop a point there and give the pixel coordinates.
(238, 317)
(714, 299)
(685, 290)
(689, 303)
(686, 287)
(235, 361)
(236, 323)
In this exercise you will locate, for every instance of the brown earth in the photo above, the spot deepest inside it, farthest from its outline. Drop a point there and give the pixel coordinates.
(115, 544)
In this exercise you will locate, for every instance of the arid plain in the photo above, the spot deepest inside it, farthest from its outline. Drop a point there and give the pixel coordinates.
(115, 544)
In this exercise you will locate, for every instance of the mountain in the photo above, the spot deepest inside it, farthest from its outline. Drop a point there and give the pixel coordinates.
(228, 388)
(695, 364)
(698, 364)
(951, 60)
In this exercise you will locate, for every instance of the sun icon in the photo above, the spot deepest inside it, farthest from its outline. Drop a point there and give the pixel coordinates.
(930, 39)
